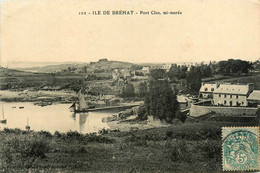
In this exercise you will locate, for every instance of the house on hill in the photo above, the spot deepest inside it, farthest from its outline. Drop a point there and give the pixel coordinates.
(232, 94)
(145, 70)
(115, 74)
(126, 73)
(166, 67)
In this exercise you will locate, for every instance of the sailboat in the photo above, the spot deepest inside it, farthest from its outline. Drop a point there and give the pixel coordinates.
(27, 127)
(3, 120)
(81, 106)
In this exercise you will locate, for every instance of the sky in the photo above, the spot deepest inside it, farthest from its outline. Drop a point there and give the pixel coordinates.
(53, 31)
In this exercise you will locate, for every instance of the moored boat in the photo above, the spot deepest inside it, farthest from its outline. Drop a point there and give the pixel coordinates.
(81, 106)
(27, 127)
(3, 120)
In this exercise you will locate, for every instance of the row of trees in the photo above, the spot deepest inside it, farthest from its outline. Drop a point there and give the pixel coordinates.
(229, 67)
(193, 76)
(232, 67)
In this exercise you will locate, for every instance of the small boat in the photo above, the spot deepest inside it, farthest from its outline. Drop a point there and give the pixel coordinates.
(14, 107)
(43, 103)
(81, 106)
(27, 127)
(3, 120)
(21, 107)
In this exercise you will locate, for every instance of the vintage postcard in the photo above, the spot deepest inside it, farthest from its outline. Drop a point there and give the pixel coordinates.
(129, 85)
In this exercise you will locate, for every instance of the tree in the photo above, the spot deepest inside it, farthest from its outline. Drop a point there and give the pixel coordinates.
(194, 79)
(161, 102)
(231, 67)
(143, 89)
(178, 72)
(158, 74)
(142, 113)
(128, 90)
(206, 70)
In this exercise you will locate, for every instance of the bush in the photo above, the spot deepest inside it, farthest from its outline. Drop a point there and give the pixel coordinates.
(99, 139)
(24, 150)
(45, 133)
(57, 134)
(169, 134)
(14, 131)
(73, 134)
(142, 113)
(211, 148)
(177, 151)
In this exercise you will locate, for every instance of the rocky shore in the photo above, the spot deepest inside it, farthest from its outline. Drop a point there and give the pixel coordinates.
(128, 120)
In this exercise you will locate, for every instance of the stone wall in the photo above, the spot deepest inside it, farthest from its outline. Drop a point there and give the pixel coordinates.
(198, 110)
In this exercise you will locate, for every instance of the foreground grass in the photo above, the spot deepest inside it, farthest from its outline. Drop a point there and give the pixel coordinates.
(191, 147)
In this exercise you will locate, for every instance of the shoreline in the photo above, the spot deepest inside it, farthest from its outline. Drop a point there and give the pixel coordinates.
(33, 96)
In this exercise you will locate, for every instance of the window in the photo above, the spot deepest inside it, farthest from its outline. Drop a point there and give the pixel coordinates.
(206, 89)
(242, 103)
(237, 96)
(225, 96)
(212, 89)
(230, 103)
(219, 95)
(230, 96)
(225, 102)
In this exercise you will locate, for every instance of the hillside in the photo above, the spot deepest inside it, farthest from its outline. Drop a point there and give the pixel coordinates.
(108, 65)
(103, 65)
(53, 68)
(12, 72)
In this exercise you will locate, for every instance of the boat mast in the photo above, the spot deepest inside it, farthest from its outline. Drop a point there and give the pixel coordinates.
(3, 113)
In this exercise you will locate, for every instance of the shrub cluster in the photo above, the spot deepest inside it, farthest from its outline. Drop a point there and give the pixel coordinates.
(209, 133)
(24, 150)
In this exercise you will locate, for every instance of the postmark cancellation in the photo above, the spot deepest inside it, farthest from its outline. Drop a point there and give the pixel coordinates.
(240, 148)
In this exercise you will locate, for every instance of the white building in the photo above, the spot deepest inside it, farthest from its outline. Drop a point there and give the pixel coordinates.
(207, 89)
(166, 67)
(146, 70)
(232, 94)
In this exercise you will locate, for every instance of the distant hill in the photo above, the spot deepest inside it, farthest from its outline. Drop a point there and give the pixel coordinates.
(53, 68)
(108, 65)
(12, 72)
(30, 64)
(101, 65)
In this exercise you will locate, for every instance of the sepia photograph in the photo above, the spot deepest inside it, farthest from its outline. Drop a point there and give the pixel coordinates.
(129, 86)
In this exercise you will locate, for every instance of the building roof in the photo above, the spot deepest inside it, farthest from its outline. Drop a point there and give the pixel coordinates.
(232, 89)
(145, 68)
(255, 95)
(207, 87)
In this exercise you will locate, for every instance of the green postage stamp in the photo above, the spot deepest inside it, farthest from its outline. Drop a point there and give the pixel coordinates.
(240, 148)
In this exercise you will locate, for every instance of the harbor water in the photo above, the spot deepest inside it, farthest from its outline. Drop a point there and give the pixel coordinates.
(55, 117)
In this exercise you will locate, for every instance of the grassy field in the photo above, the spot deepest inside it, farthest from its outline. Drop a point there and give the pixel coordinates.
(190, 147)
(255, 78)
